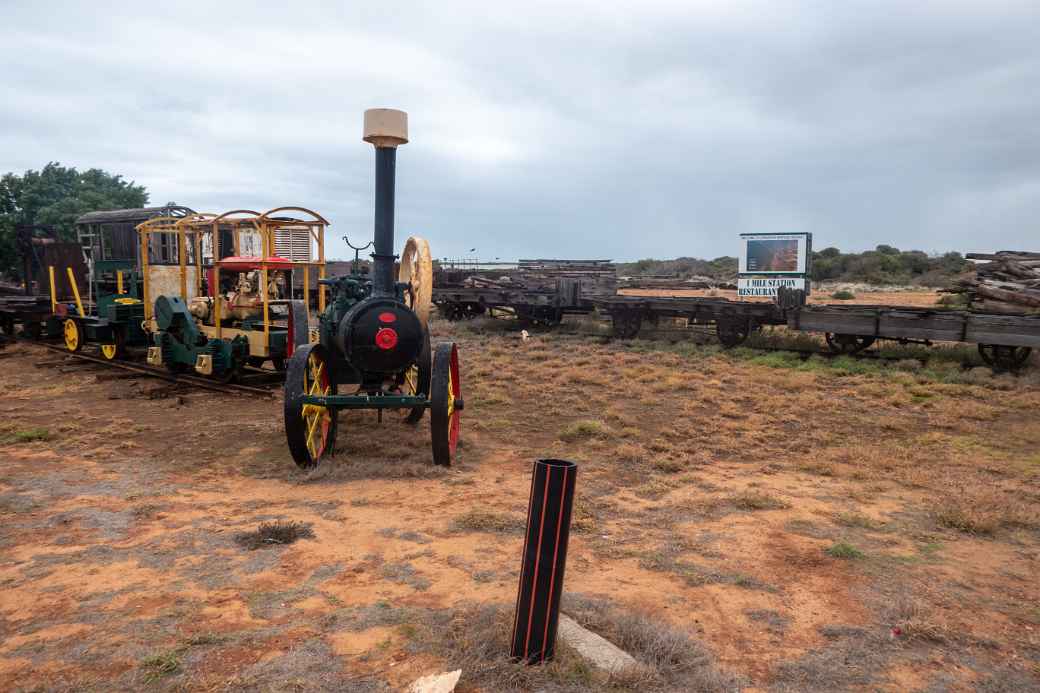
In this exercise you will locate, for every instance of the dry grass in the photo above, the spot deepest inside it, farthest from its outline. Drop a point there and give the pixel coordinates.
(729, 468)
(983, 511)
(757, 500)
(912, 620)
(476, 640)
(270, 534)
(584, 430)
(480, 520)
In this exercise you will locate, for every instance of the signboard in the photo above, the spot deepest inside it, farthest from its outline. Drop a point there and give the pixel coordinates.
(774, 253)
(766, 286)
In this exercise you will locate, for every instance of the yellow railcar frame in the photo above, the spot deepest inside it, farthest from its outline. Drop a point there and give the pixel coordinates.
(193, 228)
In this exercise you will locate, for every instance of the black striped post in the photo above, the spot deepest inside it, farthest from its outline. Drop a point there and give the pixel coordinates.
(543, 561)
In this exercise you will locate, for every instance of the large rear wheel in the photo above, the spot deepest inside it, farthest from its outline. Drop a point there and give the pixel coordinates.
(445, 403)
(417, 272)
(310, 429)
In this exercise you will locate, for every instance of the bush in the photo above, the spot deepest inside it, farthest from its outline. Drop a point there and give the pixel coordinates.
(844, 551)
(843, 295)
(583, 430)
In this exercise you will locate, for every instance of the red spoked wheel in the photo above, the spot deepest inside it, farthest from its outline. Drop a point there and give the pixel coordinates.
(445, 403)
(310, 429)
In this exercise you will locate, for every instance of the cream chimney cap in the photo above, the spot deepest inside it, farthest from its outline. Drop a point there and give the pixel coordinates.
(386, 127)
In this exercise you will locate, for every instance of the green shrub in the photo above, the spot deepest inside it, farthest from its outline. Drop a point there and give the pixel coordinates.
(844, 551)
(843, 295)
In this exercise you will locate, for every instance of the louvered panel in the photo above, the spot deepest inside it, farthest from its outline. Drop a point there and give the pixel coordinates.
(293, 244)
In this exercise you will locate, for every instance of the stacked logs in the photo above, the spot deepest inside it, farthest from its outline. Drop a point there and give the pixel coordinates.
(1006, 282)
(597, 277)
(695, 282)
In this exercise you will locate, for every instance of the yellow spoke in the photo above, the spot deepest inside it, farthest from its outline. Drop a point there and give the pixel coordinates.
(312, 428)
(316, 382)
(451, 397)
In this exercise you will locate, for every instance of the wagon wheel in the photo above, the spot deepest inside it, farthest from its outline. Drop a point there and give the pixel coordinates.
(445, 403)
(416, 380)
(73, 333)
(848, 343)
(231, 374)
(1004, 358)
(472, 310)
(731, 333)
(417, 272)
(117, 348)
(626, 323)
(310, 429)
(450, 311)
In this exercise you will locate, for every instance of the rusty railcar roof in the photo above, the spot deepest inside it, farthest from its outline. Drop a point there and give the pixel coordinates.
(136, 214)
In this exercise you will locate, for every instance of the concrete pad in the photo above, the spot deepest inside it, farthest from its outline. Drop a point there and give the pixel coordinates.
(600, 652)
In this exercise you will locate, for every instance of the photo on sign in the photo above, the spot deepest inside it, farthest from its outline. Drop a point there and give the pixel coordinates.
(780, 253)
(773, 255)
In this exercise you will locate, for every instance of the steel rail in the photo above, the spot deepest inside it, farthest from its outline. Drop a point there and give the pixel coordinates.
(229, 388)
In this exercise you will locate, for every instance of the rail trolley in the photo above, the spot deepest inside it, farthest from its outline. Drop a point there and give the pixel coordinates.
(225, 298)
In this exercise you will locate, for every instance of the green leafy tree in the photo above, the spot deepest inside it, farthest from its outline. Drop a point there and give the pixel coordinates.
(57, 195)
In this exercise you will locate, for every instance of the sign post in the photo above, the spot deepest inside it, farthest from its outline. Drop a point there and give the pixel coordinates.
(769, 261)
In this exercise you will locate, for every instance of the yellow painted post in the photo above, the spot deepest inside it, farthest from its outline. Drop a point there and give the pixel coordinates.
(198, 262)
(263, 289)
(181, 257)
(119, 282)
(145, 293)
(321, 270)
(215, 289)
(54, 291)
(75, 290)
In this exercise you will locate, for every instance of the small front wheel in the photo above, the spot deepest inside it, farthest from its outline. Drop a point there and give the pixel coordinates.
(73, 333)
(117, 349)
(310, 429)
(445, 403)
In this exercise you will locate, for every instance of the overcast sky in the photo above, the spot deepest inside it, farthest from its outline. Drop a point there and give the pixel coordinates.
(646, 129)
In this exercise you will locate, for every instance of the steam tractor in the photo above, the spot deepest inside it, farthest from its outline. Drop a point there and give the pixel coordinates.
(374, 336)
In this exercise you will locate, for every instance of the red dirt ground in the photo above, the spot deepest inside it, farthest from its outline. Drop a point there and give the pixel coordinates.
(814, 528)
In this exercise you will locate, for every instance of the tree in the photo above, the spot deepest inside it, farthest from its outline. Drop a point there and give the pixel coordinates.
(57, 195)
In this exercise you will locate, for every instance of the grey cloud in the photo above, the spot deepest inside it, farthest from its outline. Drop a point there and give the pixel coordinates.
(625, 131)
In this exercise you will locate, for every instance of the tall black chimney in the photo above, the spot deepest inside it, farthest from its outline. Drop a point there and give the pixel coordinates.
(386, 129)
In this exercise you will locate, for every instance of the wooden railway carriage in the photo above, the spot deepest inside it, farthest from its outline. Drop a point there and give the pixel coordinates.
(107, 309)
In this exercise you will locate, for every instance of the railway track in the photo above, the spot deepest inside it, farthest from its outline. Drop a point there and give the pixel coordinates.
(163, 374)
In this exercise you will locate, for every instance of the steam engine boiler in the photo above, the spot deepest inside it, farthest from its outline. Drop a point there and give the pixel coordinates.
(374, 336)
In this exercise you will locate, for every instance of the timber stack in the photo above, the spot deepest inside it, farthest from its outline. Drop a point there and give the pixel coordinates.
(674, 282)
(1006, 282)
(597, 277)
